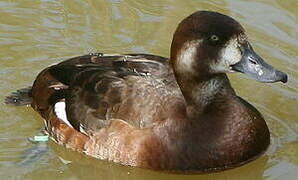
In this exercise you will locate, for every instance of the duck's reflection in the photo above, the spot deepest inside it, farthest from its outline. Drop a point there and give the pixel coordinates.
(84, 167)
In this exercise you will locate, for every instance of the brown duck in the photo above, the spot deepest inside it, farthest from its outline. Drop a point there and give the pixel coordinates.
(177, 114)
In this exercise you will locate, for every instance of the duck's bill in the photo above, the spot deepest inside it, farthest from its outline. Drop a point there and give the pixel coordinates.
(255, 67)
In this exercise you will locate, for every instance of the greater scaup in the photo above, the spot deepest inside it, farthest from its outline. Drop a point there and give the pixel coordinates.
(177, 114)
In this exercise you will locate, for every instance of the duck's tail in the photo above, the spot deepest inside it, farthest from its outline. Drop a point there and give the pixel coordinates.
(20, 97)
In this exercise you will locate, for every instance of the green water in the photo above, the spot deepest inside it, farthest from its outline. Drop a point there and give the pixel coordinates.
(35, 34)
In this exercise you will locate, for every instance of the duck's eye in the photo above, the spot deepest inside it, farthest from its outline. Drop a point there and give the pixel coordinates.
(214, 38)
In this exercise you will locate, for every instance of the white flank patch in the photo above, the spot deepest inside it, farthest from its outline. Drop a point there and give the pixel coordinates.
(61, 113)
(82, 130)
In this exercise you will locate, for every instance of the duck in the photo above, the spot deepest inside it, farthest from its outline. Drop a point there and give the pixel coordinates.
(176, 114)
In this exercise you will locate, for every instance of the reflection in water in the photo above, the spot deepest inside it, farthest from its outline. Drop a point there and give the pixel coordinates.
(33, 154)
(88, 168)
(34, 34)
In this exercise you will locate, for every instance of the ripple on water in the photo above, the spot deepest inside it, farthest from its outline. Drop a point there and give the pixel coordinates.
(34, 34)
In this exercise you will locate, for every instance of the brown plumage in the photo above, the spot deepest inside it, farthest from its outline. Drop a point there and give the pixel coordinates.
(148, 111)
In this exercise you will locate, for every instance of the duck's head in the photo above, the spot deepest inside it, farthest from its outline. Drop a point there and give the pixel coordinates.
(209, 43)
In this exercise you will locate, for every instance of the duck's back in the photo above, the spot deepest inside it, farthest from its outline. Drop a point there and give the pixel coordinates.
(96, 88)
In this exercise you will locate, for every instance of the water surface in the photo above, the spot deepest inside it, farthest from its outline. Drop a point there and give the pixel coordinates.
(37, 33)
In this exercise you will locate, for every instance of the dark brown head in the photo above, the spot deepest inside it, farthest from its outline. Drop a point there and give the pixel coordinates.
(208, 43)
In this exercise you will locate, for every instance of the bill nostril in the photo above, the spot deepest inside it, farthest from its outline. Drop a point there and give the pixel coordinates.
(252, 61)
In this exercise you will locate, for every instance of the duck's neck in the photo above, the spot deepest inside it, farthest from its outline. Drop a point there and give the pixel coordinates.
(217, 124)
(201, 91)
(199, 86)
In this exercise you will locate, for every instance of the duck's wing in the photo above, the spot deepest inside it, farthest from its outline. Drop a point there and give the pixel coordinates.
(97, 88)
(67, 70)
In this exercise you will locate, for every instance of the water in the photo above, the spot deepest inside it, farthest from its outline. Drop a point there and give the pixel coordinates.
(35, 34)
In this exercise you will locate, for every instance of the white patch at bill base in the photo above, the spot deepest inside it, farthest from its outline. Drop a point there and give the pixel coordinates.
(229, 55)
